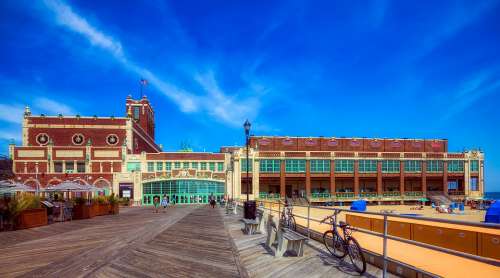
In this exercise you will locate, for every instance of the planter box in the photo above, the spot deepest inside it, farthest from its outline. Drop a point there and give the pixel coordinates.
(82, 211)
(114, 209)
(32, 218)
(103, 209)
(94, 209)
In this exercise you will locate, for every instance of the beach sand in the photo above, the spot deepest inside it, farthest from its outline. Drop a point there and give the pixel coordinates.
(432, 261)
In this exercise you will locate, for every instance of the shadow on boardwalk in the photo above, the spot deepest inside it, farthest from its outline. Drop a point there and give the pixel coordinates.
(259, 260)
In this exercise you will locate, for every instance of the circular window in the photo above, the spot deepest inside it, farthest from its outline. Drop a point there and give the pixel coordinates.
(112, 139)
(78, 139)
(42, 139)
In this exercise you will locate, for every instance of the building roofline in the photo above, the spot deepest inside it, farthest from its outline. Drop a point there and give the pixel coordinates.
(343, 137)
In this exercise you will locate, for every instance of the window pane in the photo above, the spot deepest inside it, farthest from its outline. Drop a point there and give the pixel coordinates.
(344, 166)
(244, 165)
(80, 166)
(159, 166)
(474, 166)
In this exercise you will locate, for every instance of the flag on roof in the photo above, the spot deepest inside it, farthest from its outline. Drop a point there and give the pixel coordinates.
(144, 82)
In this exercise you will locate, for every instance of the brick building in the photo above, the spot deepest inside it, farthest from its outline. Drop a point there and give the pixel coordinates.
(120, 155)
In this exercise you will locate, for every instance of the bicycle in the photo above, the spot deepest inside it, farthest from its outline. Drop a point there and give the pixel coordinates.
(287, 219)
(340, 246)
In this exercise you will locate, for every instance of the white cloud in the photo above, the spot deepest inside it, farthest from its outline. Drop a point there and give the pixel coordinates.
(472, 90)
(11, 113)
(52, 107)
(65, 16)
(218, 105)
(11, 134)
(223, 107)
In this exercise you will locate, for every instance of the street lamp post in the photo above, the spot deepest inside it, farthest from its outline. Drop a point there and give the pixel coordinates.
(249, 207)
(247, 126)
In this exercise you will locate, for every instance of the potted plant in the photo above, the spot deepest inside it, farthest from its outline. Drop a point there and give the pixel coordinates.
(113, 203)
(103, 206)
(27, 212)
(81, 209)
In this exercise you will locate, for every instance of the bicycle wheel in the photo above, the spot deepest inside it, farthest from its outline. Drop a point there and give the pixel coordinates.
(356, 255)
(334, 245)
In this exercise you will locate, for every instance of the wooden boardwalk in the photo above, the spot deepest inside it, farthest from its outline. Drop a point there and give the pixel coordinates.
(259, 261)
(186, 241)
(136, 243)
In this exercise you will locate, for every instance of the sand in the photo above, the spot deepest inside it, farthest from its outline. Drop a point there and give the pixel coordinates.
(432, 261)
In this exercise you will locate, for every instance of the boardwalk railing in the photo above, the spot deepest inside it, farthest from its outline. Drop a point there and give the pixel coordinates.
(271, 205)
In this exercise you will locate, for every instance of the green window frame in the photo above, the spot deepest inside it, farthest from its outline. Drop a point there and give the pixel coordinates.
(194, 165)
(295, 165)
(151, 167)
(177, 165)
(185, 165)
(220, 166)
(320, 165)
(474, 166)
(159, 166)
(434, 166)
(413, 166)
(390, 166)
(244, 165)
(168, 166)
(203, 166)
(133, 166)
(270, 165)
(211, 166)
(367, 166)
(344, 166)
(455, 166)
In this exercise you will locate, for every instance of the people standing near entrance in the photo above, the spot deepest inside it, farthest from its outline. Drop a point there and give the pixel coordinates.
(164, 203)
(212, 200)
(156, 203)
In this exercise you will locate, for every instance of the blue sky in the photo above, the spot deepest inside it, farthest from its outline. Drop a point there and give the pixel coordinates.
(306, 68)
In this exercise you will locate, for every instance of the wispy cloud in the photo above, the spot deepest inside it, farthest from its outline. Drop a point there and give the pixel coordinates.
(53, 107)
(11, 134)
(212, 100)
(223, 107)
(471, 91)
(65, 16)
(11, 113)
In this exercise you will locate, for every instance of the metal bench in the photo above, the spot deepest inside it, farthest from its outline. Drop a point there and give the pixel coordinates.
(289, 240)
(252, 226)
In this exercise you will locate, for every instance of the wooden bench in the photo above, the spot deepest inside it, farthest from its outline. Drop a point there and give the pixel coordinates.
(289, 240)
(252, 226)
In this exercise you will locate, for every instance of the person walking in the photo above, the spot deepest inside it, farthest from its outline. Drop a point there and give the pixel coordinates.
(156, 203)
(212, 201)
(164, 203)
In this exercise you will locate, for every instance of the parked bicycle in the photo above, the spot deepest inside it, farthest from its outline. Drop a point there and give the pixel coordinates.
(287, 219)
(340, 246)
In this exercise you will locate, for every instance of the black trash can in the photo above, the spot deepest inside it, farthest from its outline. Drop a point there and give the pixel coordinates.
(250, 208)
